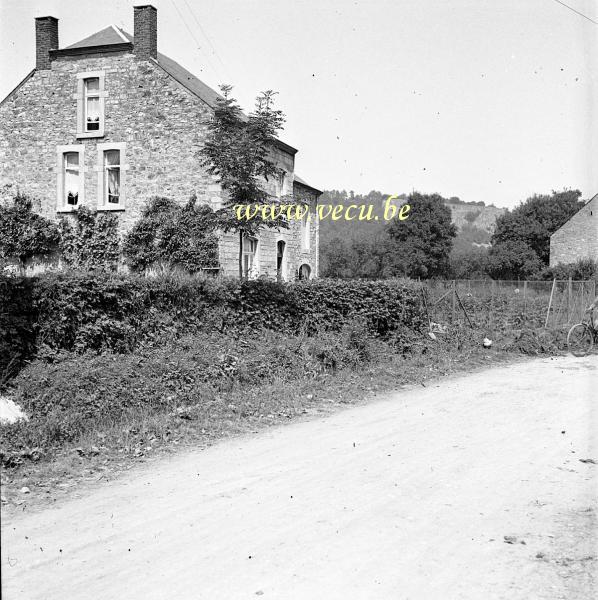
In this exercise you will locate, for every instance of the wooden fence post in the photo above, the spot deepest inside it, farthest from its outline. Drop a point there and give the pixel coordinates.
(525, 302)
(454, 301)
(550, 303)
(569, 298)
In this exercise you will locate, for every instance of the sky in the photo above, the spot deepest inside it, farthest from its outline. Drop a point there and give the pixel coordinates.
(490, 100)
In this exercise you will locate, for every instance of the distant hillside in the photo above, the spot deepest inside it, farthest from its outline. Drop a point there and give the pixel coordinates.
(474, 214)
(477, 215)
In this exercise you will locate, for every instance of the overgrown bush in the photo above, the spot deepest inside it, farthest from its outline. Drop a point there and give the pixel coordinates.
(82, 312)
(25, 234)
(169, 235)
(89, 240)
(584, 269)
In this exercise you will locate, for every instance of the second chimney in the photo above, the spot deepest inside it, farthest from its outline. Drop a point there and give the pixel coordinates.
(145, 31)
(46, 39)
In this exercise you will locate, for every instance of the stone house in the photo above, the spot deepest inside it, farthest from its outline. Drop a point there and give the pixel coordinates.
(109, 122)
(578, 237)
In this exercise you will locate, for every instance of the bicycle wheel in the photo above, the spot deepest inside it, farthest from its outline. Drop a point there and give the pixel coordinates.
(580, 339)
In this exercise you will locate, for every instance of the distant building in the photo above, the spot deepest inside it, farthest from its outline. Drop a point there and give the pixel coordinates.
(109, 122)
(578, 237)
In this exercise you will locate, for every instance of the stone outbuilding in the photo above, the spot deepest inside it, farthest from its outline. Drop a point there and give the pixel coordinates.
(109, 122)
(578, 237)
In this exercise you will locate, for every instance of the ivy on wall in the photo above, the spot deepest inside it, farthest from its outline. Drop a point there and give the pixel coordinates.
(169, 236)
(89, 241)
(25, 234)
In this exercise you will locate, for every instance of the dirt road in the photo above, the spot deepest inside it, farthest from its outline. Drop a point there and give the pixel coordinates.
(408, 497)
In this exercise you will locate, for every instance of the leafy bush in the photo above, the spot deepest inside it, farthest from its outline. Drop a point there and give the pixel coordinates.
(89, 240)
(170, 235)
(582, 270)
(25, 234)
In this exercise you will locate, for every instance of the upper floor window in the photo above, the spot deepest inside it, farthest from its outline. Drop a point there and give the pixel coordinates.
(90, 97)
(70, 178)
(91, 85)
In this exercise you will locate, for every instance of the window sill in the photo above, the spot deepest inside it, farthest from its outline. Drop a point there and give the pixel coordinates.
(89, 134)
(107, 208)
(67, 209)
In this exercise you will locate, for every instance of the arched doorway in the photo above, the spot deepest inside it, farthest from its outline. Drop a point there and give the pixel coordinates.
(280, 260)
(304, 272)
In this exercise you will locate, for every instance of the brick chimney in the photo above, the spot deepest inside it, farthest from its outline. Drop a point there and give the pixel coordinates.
(46, 39)
(145, 31)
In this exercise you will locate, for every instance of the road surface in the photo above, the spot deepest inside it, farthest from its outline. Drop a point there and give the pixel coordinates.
(408, 497)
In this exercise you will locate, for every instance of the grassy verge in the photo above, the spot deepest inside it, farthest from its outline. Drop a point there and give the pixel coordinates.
(93, 416)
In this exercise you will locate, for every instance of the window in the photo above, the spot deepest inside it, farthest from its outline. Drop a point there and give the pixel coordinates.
(111, 170)
(305, 232)
(71, 178)
(280, 260)
(92, 104)
(112, 176)
(249, 257)
(90, 98)
(280, 190)
(70, 171)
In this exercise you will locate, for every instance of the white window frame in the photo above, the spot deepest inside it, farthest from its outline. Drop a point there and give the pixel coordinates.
(80, 96)
(253, 271)
(61, 204)
(102, 196)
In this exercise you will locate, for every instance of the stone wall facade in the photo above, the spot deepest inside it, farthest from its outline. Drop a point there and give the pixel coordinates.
(158, 123)
(577, 238)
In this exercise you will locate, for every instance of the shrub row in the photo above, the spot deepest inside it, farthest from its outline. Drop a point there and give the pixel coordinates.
(82, 312)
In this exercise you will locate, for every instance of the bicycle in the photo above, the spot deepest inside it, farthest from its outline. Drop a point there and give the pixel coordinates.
(582, 337)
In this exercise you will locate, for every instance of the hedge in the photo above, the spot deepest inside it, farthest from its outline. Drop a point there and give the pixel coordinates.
(83, 312)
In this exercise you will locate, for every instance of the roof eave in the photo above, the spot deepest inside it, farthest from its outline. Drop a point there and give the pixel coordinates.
(309, 187)
(282, 146)
(103, 49)
(18, 86)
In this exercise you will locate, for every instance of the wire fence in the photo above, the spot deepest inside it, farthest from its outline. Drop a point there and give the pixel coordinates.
(509, 304)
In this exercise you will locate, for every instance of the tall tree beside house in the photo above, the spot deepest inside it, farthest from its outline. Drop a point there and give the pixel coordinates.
(521, 240)
(420, 246)
(238, 150)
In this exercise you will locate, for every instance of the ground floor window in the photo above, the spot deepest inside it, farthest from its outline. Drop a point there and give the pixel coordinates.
(249, 256)
(280, 260)
(70, 177)
(111, 176)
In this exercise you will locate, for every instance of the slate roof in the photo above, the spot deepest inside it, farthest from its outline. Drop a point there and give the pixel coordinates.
(112, 35)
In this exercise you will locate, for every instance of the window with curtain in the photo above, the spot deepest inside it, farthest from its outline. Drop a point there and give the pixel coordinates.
(249, 252)
(71, 178)
(112, 177)
(92, 103)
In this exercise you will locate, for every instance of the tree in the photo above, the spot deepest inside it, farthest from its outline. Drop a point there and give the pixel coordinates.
(238, 150)
(534, 221)
(469, 263)
(513, 259)
(420, 245)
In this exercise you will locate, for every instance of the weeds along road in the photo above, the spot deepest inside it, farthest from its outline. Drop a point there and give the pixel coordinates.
(406, 497)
